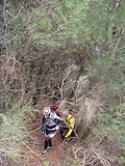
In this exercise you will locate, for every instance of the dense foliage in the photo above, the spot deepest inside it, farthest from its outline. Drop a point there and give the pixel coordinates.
(95, 29)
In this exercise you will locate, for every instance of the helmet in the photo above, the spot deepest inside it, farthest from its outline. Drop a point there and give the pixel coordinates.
(47, 110)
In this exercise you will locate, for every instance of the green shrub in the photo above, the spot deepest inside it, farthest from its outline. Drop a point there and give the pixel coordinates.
(81, 22)
(112, 124)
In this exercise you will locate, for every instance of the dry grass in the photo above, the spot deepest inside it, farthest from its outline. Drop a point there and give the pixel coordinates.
(93, 155)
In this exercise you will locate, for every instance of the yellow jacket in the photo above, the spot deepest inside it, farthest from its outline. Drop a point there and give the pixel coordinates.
(71, 124)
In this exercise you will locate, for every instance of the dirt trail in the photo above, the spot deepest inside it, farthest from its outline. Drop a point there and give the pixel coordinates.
(56, 156)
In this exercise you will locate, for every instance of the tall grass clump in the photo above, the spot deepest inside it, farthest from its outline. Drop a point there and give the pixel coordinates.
(13, 131)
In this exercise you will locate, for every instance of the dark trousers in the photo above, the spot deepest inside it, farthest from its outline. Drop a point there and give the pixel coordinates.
(48, 142)
(63, 131)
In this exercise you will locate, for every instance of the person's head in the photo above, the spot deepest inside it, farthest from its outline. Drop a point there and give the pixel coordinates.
(55, 100)
(72, 112)
(46, 111)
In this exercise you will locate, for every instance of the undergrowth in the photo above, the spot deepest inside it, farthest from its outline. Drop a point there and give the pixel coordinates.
(13, 131)
(112, 124)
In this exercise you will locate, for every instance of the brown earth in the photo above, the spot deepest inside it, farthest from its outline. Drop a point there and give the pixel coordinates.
(56, 156)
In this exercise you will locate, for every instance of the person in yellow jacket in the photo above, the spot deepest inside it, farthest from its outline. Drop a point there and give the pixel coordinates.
(67, 128)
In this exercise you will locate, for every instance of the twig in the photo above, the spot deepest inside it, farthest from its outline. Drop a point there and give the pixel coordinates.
(63, 81)
(36, 154)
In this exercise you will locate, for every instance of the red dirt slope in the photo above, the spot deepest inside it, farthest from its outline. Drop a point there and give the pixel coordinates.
(56, 156)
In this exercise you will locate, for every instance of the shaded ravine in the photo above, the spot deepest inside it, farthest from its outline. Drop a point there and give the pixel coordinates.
(56, 156)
